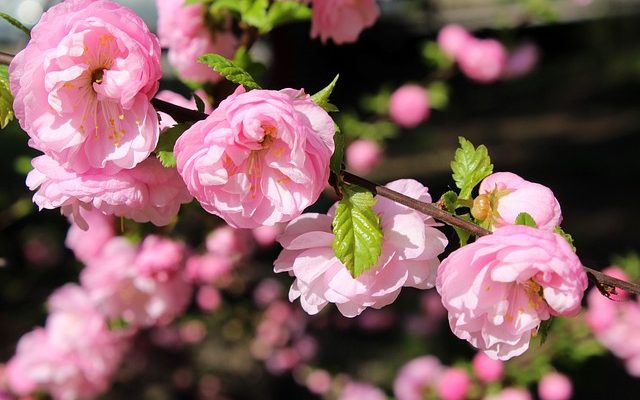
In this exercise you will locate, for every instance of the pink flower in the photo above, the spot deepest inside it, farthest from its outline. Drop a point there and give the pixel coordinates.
(361, 390)
(499, 289)
(182, 29)
(416, 378)
(522, 60)
(486, 368)
(119, 283)
(87, 244)
(504, 195)
(166, 120)
(342, 20)
(409, 257)
(148, 192)
(409, 106)
(230, 242)
(74, 356)
(555, 386)
(160, 258)
(452, 39)
(260, 158)
(208, 298)
(208, 268)
(363, 155)
(454, 384)
(514, 393)
(265, 236)
(482, 60)
(82, 86)
(318, 381)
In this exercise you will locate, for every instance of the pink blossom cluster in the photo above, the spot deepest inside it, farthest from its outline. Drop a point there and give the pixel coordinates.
(342, 20)
(500, 288)
(82, 89)
(281, 340)
(409, 257)
(485, 60)
(260, 158)
(73, 356)
(616, 322)
(183, 29)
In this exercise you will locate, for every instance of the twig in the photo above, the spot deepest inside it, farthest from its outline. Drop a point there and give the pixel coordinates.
(5, 58)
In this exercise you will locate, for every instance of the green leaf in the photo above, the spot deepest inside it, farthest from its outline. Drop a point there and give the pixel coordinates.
(566, 236)
(470, 166)
(322, 97)
(544, 328)
(355, 128)
(164, 149)
(629, 262)
(283, 12)
(6, 99)
(526, 219)
(229, 70)
(450, 200)
(463, 235)
(190, 2)
(338, 153)
(358, 233)
(167, 159)
(438, 93)
(435, 57)
(243, 59)
(256, 15)
(15, 23)
(117, 324)
(238, 6)
(200, 106)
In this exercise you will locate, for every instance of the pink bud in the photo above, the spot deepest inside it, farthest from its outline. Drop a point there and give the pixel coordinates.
(487, 369)
(318, 382)
(482, 60)
(363, 156)
(454, 384)
(409, 106)
(208, 298)
(555, 386)
(452, 38)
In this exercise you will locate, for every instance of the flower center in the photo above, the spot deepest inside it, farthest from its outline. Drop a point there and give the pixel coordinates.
(97, 75)
(270, 133)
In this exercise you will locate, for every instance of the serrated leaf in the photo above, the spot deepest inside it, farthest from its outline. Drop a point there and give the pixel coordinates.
(283, 12)
(358, 233)
(15, 23)
(167, 159)
(566, 237)
(6, 99)
(229, 70)
(470, 166)
(526, 219)
(322, 97)
(338, 153)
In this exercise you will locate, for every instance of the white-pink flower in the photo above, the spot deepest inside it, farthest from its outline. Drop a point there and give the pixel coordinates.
(499, 288)
(409, 257)
(74, 356)
(148, 192)
(183, 30)
(504, 195)
(83, 86)
(143, 285)
(260, 158)
(342, 20)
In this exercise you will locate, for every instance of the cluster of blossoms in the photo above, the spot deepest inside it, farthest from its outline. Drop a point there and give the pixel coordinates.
(486, 60)
(616, 324)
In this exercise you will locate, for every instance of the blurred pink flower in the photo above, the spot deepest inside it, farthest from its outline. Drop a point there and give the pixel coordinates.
(74, 356)
(522, 60)
(230, 242)
(486, 369)
(417, 377)
(513, 393)
(208, 298)
(499, 288)
(267, 291)
(452, 39)
(453, 384)
(318, 381)
(363, 155)
(409, 106)
(483, 60)
(120, 284)
(87, 244)
(555, 386)
(83, 86)
(208, 268)
(182, 29)
(260, 158)
(509, 195)
(265, 236)
(409, 257)
(342, 20)
(355, 390)
(148, 192)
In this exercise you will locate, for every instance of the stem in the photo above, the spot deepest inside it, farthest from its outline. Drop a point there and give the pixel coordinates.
(605, 283)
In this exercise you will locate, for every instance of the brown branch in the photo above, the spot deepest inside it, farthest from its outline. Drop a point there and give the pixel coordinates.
(605, 283)
(5, 58)
(180, 114)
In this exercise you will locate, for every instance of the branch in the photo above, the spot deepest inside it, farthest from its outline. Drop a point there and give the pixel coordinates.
(605, 283)
(5, 58)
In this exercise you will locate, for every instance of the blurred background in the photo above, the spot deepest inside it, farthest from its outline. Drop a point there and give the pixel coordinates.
(572, 124)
